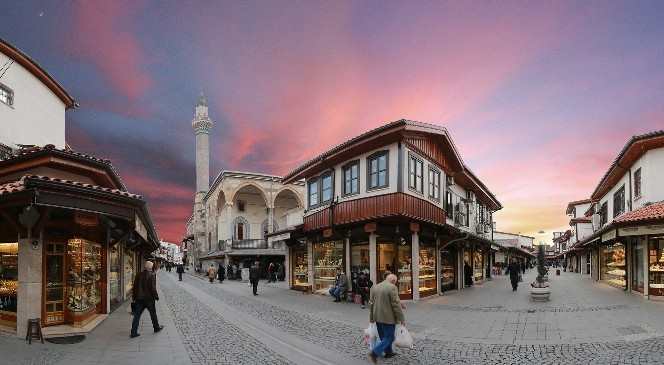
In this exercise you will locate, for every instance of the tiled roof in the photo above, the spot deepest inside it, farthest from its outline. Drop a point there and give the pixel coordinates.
(12, 187)
(580, 220)
(650, 212)
(20, 185)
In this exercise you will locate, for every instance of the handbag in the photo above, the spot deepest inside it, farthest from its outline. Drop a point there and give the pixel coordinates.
(402, 337)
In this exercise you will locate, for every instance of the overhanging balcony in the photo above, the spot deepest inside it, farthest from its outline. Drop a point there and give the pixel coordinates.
(374, 207)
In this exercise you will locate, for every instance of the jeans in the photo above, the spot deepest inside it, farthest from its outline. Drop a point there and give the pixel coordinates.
(386, 334)
(254, 285)
(180, 276)
(141, 305)
(335, 291)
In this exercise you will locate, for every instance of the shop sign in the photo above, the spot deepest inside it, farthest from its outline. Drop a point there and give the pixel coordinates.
(86, 219)
(609, 235)
(279, 237)
(140, 228)
(641, 231)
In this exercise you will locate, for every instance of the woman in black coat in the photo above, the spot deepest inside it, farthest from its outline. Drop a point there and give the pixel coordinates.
(221, 274)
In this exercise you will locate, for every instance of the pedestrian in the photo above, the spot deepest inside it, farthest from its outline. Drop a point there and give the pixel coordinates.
(467, 274)
(235, 272)
(270, 272)
(221, 274)
(281, 271)
(385, 310)
(340, 285)
(180, 271)
(254, 276)
(211, 273)
(229, 271)
(144, 294)
(364, 284)
(523, 267)
(514, 270)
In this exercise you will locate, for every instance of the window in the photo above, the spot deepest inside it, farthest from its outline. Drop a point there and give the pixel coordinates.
(448, 203)
(415, 174)
(377, 170)
(352, 178)
(637, 183)
(619, 202)
(326, 188)
(434, 184)
(313, 193)
(6, 95)
(240, 205)
(603, 214)
(239, 231)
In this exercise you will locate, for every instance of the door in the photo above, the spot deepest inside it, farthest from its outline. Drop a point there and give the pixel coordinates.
(448, 269)
(638, 276)
(54, 284)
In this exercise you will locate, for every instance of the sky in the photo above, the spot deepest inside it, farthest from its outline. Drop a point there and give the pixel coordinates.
(539, 97)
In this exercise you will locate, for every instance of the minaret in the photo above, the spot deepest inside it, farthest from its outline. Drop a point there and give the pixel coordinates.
(201, 125)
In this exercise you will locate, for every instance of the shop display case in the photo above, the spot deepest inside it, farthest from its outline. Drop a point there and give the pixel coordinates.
(328, 256)
(405, 271)
(8, 282)
(300, 268)
(83, 280)
(656, 268)
(478, 266)
(427, 275)
(614, 269)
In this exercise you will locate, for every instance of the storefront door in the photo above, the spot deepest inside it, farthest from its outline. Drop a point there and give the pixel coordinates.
(427, 273)
(300, 267)
(448, 269)
(54, 303)
(397, 260)
(656, 266)
(115, 276)
(612, 265)
(328, 257)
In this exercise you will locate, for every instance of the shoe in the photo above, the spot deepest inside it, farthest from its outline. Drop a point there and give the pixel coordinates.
(158, 329)
(390, 355)
(363, 306)
(372, 358)
(134, 335)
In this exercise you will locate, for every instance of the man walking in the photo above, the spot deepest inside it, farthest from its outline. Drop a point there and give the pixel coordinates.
(385, 310)
(180, 271)
(254, 276)
(514, 270)
(212, 273)
(144, 293)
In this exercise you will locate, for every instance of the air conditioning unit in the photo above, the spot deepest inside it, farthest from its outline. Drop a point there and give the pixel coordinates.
(450, 180)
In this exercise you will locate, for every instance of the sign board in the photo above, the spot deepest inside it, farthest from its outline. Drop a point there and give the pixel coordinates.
(641, 230)
(609, 235)
(139, 227)
(500, 257)
(279, 237)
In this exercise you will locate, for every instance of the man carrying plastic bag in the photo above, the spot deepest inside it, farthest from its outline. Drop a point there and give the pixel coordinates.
(385, 311)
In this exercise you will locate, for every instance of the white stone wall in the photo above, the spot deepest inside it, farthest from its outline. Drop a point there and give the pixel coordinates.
(37, 115)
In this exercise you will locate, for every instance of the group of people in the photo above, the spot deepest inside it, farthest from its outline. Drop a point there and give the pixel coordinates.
(275, 272)
(361, 284)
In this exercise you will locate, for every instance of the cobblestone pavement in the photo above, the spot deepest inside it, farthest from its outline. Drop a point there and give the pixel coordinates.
(345, 337)
(208, 338)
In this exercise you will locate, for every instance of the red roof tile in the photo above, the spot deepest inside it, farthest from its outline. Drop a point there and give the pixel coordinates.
(12, 187)
(20, 185)
(650, 212)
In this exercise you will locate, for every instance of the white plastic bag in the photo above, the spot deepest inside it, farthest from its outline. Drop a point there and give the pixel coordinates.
(371, 336)
(402, 337)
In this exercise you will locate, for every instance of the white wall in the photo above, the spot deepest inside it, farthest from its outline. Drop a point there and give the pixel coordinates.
(37, 115)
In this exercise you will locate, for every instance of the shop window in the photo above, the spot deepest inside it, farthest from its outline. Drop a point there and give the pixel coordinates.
(352, 178)
(415, 174)
(405, 271)
(240, 229)
(328, 256)
(427, 278)
(637, 183)
(300, 266)
(8, 281)
(619, 202)
(115, 276)
(359, 258)
(612, 265)
(377, 170)
(434, 184)
(638, 280)
(448, 264)
(83, 279)
(449, 206)
(478, 265)
(656, 266)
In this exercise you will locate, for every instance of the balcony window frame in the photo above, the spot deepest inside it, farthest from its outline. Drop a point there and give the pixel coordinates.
(322, 177)
(348, 168)
(10, 95)
(434, 184)
(603, 214)
(619, 196)
(316, 192)
(376, 156)
(414, 162)
(318, 180)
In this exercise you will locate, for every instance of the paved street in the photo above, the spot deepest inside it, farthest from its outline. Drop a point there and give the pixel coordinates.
(585, 323)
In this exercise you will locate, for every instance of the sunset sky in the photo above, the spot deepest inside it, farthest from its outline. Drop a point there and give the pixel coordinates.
(538, 96)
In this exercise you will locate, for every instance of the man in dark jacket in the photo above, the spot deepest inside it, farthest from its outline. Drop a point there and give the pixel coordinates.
(180, 271)
(514, 270)
(340, 285)
(254, 276)
(363, 286)
(221, 274)
(144, 294)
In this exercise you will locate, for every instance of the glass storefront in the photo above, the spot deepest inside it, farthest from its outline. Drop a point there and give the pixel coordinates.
(656, 266)
(478, 265)
(129, 263)
(328, 256)
(8, 283)
(84, 286)
(427, 274)
(405, 272)
(55, 283)
(397, 260)
(115, 277)
(638, 280)
(359, 258)
(612, 265)
(300, 264)
(448, 259)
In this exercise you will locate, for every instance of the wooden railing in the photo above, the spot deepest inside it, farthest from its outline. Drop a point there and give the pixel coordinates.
(380, 206)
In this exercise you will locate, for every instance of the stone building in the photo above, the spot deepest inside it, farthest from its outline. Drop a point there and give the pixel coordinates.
(231, 218)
